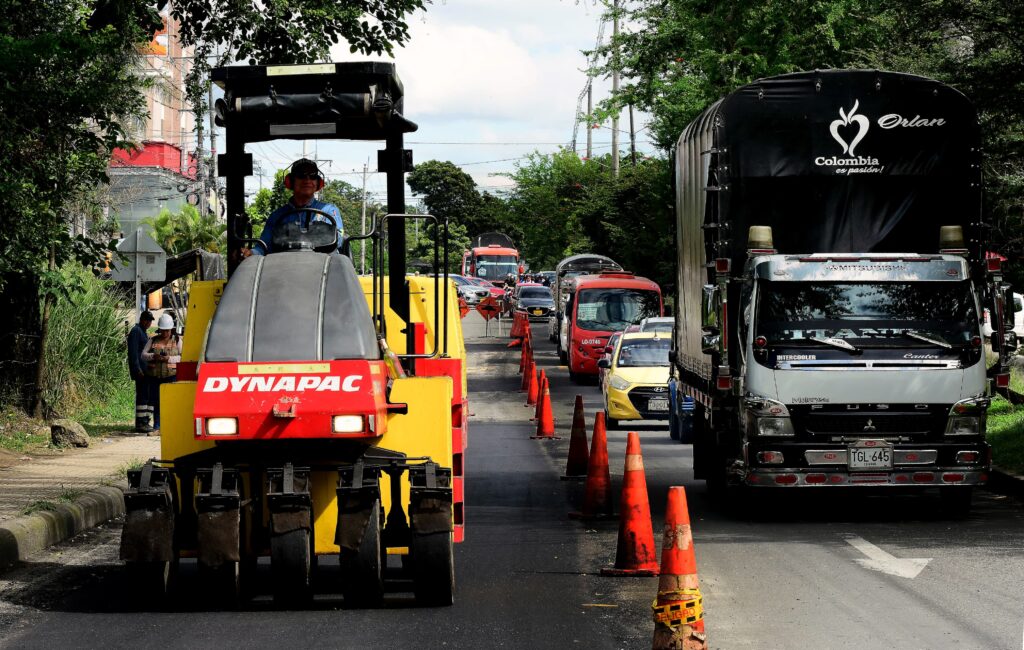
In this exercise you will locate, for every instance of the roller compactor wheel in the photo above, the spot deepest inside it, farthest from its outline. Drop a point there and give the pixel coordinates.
(152, 578)
(291, 566)
(362, 571)
(221, 584)
(433, 569)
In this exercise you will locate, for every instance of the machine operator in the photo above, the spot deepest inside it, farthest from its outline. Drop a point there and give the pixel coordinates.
(304, 179)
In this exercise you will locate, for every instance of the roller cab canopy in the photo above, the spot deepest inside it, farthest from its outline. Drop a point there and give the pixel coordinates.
(351, 101)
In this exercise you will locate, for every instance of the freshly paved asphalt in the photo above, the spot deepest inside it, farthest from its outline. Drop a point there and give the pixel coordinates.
(784, 576)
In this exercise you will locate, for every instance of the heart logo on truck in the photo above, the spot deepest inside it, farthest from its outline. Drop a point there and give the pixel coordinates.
(845, 119)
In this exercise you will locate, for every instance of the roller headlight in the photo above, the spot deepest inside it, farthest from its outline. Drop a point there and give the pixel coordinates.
(221, 426)
(347, 423)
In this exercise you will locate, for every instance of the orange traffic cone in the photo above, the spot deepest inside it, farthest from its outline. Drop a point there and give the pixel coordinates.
(597, 503)
(522, 356)
(636, 554)
(524, 386)
(531, 392)
(679, 609)
(546, 418)
(576, 463)
(542, 383)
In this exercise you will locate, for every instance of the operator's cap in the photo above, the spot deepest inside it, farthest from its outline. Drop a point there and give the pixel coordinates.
(305, 166)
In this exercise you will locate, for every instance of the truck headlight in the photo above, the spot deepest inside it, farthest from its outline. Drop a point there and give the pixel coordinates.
(775, 427)
(967, 417)
(963, 426)
(221, 426)
(618, 383)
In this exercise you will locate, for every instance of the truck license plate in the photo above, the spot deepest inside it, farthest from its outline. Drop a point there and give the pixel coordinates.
(657, 404)
(870, 454)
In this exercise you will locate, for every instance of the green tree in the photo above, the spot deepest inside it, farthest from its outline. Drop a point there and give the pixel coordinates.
(67, 86)
(188, 230)
(682, 55)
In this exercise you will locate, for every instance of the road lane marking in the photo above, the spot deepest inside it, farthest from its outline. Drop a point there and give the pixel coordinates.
(879, 560)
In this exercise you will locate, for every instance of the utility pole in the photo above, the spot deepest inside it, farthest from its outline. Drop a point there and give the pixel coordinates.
(615, 87)
(362, 243)
(590, 118)
(632, 137)
(213, 150)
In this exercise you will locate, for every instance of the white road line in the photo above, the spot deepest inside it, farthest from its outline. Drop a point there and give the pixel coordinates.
(879, 560)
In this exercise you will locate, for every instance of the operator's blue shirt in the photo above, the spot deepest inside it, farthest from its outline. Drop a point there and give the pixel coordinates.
(280, 216)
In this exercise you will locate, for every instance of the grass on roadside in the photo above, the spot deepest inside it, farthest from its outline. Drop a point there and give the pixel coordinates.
(1006, 435)
(18, 433)
(127, 466)
(39, 506)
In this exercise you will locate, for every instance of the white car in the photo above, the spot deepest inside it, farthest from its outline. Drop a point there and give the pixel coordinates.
(657, 324)
(1018, 319)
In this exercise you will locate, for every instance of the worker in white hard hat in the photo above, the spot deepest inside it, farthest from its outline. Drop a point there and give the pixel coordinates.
(162, 354)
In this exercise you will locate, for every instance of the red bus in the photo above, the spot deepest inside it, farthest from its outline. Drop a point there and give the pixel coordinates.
(598, 306)
(492, 257)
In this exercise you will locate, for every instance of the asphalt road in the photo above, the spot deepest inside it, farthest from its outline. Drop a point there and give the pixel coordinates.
(829, 570)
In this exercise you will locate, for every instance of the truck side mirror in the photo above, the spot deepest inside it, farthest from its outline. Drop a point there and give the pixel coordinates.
(672, 356)
(709, 307)
(710, 341)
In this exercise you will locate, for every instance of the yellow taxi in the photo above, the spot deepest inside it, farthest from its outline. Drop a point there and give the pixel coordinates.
(635, 384)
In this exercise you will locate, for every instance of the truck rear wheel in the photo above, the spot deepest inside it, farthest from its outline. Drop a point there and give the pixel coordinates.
(291, 566)
(362, 571)
(433, 569)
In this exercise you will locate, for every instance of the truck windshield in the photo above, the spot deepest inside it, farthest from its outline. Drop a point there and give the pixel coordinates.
(791, 311)
(495, 267)
(612, 309)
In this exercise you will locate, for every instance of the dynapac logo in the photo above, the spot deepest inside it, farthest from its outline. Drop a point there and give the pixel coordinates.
(286, 384)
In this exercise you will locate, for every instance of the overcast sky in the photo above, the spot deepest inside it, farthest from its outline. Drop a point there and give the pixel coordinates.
(499, 77)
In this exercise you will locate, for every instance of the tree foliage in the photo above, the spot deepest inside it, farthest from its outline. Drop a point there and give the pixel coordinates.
(187, 230)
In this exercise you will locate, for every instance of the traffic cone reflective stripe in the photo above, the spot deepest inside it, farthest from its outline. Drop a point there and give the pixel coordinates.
(679, 607)
(597, 503)
(636, 554)
(576, 463)
(545, 416)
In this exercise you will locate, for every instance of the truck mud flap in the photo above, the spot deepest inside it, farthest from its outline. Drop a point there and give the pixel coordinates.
(218, 515)
(148, 534)
(288, 499)
(430, 499)
(358, 491)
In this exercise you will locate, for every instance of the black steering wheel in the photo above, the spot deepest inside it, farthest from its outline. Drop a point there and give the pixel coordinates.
(313, 236)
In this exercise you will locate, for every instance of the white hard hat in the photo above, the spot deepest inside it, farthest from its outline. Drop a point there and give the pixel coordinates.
(165, 322)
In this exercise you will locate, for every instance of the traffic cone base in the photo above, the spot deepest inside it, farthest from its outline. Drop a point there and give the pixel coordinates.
(636, 554)
(679, 607)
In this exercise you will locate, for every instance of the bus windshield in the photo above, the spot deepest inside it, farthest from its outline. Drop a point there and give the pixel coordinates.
(495, 267)
(612, 309)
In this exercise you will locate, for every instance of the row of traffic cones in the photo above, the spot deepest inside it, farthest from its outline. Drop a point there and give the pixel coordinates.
(678, 608)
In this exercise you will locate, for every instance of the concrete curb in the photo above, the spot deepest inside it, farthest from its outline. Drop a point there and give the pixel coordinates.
(21, 537)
